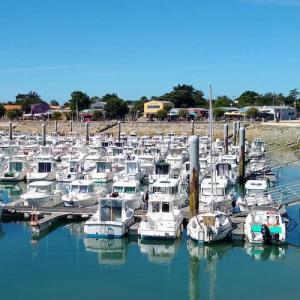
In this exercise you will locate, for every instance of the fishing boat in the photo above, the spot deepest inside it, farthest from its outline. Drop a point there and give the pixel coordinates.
(207, 227)
(163, 219)
(15, 170)
(41, 194)
(170, 189)
(130, 191)
(264, 227)
(111, 220)
(74, 170)
(103, 172)
(256, 195)
(44, 169)
(81, 193)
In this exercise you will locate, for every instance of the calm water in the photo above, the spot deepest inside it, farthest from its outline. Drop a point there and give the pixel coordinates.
(65, 265)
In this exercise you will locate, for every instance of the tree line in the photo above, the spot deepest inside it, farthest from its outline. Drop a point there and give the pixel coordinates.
(182, 96)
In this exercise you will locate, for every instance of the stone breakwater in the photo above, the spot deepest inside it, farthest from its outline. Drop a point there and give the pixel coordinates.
(269, 132)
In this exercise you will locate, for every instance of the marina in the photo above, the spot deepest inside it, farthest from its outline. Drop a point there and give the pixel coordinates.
(161, 202)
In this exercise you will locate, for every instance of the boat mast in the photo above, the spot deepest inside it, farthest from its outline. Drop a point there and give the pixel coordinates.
(211, 145)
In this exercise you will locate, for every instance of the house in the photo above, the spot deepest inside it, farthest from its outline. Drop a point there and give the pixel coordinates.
(97, 105)
(153, 106)
(9, 107)
(273, 112)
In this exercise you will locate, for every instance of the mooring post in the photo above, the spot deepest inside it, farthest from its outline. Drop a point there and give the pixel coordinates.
(56, 125)
(87, 134)
(192, 127)
(194, 175)
(44, 134)
(10, 131)
(238, 126)
(234, 134)
(242, 155)
(226, 138)
(119, 131)
(71, 126)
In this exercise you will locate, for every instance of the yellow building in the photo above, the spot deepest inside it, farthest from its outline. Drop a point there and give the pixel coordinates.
(152, 107)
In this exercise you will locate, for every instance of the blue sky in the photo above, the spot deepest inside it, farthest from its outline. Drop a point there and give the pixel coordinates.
(145, 47)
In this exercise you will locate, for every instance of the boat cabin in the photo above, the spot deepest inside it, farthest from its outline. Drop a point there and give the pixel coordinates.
(40, 187)
(126, 187)
(81, 186)
(256, 187)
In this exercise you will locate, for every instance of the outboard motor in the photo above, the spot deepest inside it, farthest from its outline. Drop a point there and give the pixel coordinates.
(266, 234)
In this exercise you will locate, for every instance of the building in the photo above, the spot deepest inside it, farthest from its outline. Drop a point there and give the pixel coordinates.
(9, 107)
(153, 106)
(276, 112)
(98, 105)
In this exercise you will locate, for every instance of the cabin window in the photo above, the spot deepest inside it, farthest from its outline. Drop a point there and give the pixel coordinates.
(15, 167)
(165, 207)
(101, 167)
(155, 207)
(44, 167)
(83, 189)
(129, 189)
(90, 188)
(111, 210)
(118, 189)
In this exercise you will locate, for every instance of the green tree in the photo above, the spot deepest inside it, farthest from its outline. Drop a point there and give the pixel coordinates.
(54, 102)
(247, 98)
(184, 96)
(139, 105)
(26, 100)
(57, 116)
(107, 97)
(115, 108)
(161, 114)
(97, 115)
(2, 111)
(14, 114)
(79, 100)
(218, 113)
(183, 113)
(222, 101)
(252, 112)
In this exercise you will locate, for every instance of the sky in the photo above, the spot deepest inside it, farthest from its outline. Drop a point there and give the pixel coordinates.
(145, 47)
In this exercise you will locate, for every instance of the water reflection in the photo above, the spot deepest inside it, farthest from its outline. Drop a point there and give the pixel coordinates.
(159, 251)
(110, 251)
(1, 231)
(293, 227)
(266, 252)
(210, 255)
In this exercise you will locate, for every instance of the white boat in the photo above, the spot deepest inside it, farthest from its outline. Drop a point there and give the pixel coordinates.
(130, 191)
(81, 194)
(213, 190)
(103, 172)
(41, 194)
(44, 169)
(112, 219)
(15, 171)
(163, 219)
(74, 170)
(256, 195)
(264, 226)
(170, 189)
(209, 227)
